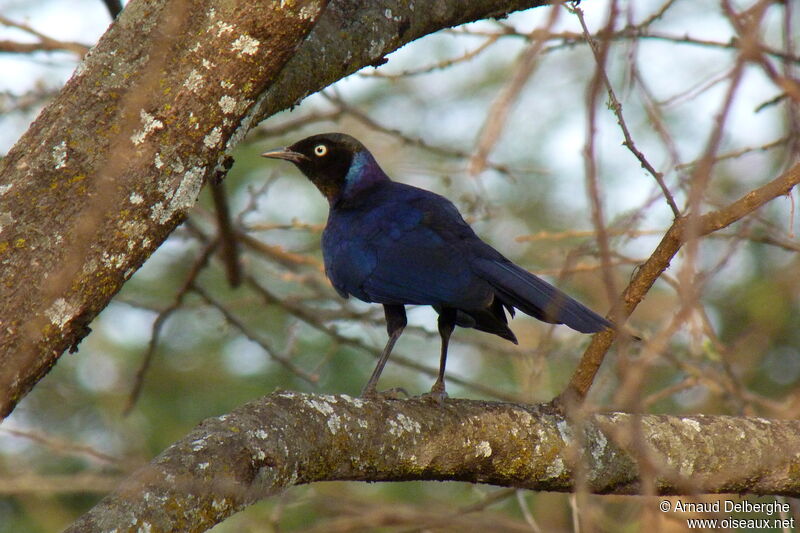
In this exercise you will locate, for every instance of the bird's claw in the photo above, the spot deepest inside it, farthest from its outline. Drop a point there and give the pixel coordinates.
(437, 394)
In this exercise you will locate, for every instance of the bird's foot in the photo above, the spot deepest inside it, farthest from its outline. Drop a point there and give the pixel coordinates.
(396, 393)
(437, 394)
(554, 407)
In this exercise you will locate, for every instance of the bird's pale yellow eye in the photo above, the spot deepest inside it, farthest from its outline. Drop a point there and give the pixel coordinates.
(320, 150)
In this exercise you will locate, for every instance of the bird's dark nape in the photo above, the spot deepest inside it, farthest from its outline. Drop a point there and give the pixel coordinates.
(394, 244)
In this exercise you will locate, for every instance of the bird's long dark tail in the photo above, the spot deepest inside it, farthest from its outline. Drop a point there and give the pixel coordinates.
(533, 296)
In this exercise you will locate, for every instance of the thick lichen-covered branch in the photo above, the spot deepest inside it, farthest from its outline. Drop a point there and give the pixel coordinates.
(288, 439)
(111, 166)
(351, 34)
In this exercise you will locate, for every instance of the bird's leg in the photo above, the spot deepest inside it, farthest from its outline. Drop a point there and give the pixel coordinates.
(447, 323)
(395, 323)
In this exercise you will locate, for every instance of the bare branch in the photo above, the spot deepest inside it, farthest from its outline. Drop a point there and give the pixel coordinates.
(658, 262)
(600, 52)
(58, 484)
(616, 106)
(45, 44)
(158, 324)
(497, 114)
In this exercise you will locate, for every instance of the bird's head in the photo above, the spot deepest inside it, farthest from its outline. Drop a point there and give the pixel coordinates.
(334, 162)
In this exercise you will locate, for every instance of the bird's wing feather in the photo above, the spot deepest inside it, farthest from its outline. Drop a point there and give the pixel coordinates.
(407, 248)
(416, 267)
(421, 260)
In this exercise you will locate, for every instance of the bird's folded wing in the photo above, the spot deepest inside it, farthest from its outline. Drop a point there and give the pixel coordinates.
(416, 266)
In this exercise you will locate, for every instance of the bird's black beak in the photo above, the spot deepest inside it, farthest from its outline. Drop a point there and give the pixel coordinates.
(285, 153)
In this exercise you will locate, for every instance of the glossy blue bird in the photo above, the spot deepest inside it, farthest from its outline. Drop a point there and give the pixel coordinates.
(397, 245)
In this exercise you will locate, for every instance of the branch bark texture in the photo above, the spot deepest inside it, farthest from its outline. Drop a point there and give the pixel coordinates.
(112, 165)
(288, 439)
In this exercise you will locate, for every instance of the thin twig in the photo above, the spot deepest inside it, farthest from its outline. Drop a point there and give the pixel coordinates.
(46, 44)
(600, 53)
(62, 447)
(616, 106)
(138, 381)
(441, 65)
(279, 356)
(498, 112)
(228, 243)
(406, 139)
(651, 270)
